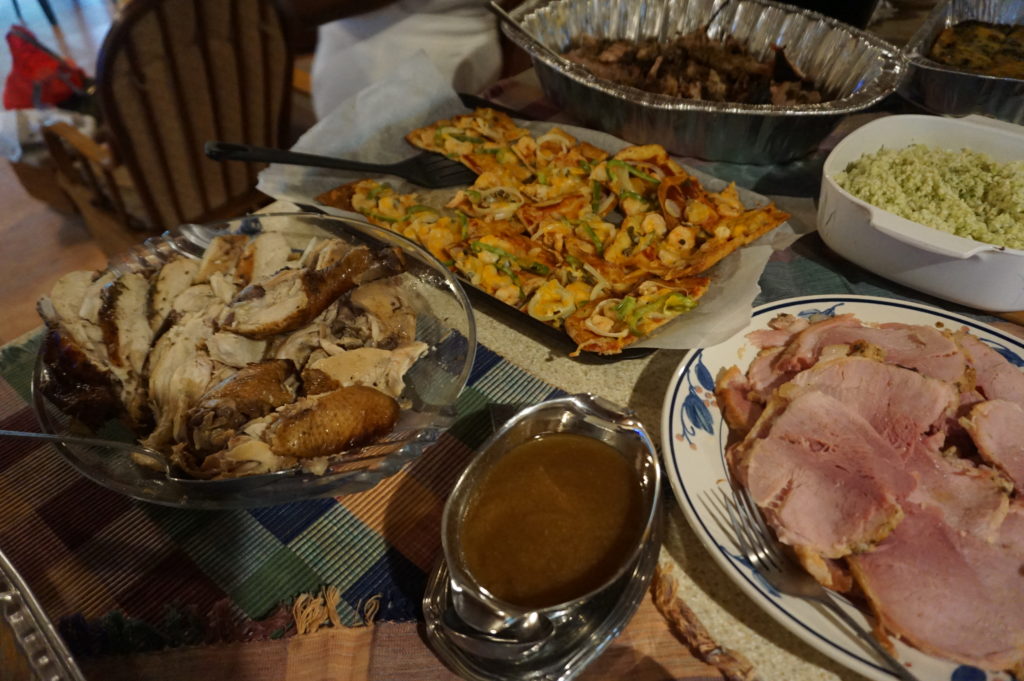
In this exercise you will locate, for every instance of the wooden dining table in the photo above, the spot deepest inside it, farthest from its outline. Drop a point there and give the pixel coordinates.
(149, 593)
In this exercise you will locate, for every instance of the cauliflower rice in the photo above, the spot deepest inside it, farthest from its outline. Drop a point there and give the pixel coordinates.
(963, 192)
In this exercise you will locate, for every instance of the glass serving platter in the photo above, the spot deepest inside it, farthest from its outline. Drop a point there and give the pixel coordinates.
(444, 322)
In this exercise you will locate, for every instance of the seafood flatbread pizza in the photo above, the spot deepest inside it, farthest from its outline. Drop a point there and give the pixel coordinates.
(606, 247)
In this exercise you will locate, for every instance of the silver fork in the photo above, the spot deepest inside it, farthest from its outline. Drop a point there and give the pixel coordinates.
(425, 169)
(755, 540)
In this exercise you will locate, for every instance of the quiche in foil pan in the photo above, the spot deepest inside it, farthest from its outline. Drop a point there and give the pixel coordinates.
(943, 89)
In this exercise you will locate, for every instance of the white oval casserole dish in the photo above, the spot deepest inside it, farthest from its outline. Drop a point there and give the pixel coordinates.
(954, 268)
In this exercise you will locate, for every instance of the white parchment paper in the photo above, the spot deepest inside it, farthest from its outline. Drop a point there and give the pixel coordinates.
(371, 126)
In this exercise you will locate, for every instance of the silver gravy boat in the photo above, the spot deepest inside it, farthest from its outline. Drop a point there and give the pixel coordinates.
(483, 637)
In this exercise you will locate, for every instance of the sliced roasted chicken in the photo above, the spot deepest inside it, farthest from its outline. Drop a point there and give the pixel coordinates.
(89, 316)
(179, 372)
(63, 304)
(263, 256)
(62, 310)
(299, 345)
(325, 253)
(172, 279)
(332, 422)
(221, 256)
(209, 373)
(234, 350)
(124, 323)
(243, 455)
(122, 318)
(79, 386)
(78, 381)
(373, 367)
(292, 298)
(250, 393)
(388, 303)
(222, 284)
(198, 299)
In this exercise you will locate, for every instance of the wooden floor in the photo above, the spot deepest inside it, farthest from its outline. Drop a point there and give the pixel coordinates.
(37, 243)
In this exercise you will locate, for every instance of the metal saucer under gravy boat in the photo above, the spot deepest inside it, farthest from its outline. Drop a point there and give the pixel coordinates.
(485, 639)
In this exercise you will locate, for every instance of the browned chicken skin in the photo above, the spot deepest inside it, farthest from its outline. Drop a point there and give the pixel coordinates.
(254, 391)
(331, 422)
(76, 384)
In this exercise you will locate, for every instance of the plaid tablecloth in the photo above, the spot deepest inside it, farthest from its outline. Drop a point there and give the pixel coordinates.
(88, 551)
(145, 593)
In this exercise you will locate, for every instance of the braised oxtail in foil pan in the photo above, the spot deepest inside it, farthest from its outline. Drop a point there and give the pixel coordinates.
(695, 66)
(852, 69)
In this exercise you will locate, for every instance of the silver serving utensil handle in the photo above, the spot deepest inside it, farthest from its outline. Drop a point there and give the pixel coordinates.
(152, 459)
(129, 447)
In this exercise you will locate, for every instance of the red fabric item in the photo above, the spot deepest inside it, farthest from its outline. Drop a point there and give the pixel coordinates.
(38, 77)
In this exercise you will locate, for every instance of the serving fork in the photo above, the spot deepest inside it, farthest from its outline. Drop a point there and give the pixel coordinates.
(426, 169)
(758, 545)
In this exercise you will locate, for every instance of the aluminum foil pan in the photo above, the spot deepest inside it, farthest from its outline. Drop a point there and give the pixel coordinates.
(944, 90)
(861, 68)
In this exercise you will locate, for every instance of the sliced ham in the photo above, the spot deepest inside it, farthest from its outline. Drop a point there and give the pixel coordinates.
(763, 376)
(994, 376)
(826, 480)
(997, 428)
(908, 410)
(776, 364)
(922, 348)
(780, 330)
(802, 351)
(883, 457)
(732, 391)
(972, 499)
(946, 593)
(1010, 537)
(903, 406)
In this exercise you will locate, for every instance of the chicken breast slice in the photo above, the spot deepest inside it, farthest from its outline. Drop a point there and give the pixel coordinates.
(373, 367)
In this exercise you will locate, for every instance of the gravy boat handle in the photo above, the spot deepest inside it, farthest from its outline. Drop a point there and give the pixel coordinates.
(477, 626)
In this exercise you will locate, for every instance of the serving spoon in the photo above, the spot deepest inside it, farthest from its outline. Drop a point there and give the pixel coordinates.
(130, 447)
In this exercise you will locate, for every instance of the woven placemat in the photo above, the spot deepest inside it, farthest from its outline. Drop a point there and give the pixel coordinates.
(88, 551)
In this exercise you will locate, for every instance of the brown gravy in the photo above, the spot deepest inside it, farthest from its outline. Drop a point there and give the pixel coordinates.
(554, 519)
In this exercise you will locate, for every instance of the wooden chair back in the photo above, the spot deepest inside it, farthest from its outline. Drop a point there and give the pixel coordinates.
(173, 74)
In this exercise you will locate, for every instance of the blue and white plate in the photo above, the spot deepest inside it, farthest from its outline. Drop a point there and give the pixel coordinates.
(694, 437)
